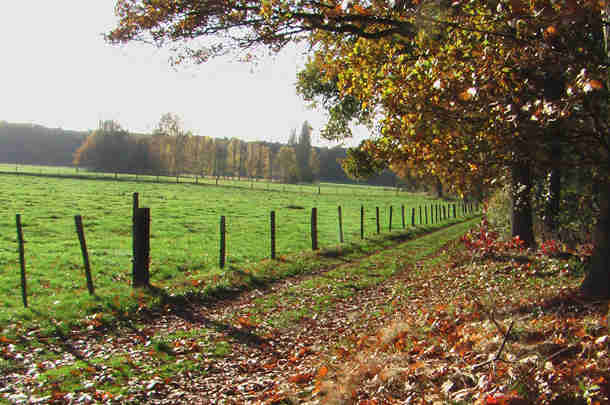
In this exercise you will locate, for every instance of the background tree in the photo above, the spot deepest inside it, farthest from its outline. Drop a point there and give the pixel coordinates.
(303, 153)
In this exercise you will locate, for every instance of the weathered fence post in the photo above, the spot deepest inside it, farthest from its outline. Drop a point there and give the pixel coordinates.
(223, 242)
(314, 228)
(272, 235)
(78, 221)
(377, 219)
(362, 222)
(24, 294)
(141, 240)
(340, 224)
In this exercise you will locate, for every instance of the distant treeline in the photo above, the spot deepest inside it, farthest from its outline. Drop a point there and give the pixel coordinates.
(172, 151)
(35, 144)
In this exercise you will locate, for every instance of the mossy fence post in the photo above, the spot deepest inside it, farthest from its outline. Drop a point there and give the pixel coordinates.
(78, 222)
(141, 239)
(340, 224)
(223, 241)
(272, 224)
(314, 228)
(377, 220)
(24, 294)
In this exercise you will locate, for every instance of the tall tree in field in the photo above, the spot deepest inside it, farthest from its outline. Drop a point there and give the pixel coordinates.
(303, 152)
(170, 125)
(456, 85)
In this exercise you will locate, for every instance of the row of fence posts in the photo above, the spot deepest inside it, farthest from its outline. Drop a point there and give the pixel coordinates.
(141, 237)
(438, 213)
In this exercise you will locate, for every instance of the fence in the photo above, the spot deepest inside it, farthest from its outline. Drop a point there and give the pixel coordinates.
(141, 219)
(189, 179)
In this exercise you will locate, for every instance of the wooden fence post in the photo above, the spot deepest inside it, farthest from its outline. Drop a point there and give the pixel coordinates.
(78, 221)
(223, 241)
(141, 239)
(426, 213)
(362, 222)
(420, 218)
(272, 235)
(340, 224)
(402, 211)
(390, 224)
(453, 208)
(413, 216)
(314, 228)
(377, 219)
(24, 294)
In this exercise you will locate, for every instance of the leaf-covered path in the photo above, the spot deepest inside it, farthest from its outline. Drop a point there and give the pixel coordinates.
(261, 346)
(422, 322)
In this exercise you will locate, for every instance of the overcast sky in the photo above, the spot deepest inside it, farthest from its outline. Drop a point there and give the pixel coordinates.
(56, 70)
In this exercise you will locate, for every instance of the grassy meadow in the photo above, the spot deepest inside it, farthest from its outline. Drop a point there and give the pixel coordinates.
(184, 232)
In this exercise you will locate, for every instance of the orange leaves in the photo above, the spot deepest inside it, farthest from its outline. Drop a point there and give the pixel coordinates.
(322, 371)
(302, 378)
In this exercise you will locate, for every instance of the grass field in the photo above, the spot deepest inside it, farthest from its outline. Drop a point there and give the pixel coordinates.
(184, 232)
(324, 188)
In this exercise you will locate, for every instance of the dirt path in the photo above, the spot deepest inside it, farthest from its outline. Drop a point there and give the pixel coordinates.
(257, 348)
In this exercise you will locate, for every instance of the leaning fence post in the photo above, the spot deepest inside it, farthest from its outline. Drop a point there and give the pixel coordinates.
(272, 235)
(314, 228)
(223, 241)
(340, 224)
(141, 238)
(78, 221)
(24, 294)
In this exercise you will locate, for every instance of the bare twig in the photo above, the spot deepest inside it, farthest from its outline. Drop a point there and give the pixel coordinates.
(499, 352)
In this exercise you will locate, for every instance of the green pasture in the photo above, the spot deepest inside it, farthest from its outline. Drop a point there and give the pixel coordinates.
(322, 188)
(184, 232)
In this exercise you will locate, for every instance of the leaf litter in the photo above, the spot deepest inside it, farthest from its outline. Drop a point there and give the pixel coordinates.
(454, 325)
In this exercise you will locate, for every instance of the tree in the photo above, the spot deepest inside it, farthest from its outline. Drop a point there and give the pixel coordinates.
(107, 148)
(459, 87)
(303, 154)
(170, 125)
(287, 163)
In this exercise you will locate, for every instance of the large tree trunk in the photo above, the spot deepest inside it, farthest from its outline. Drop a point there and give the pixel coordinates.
(522, 225)
(597, 279)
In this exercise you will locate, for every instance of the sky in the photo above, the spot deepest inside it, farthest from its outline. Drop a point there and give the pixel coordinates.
(56, 70)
